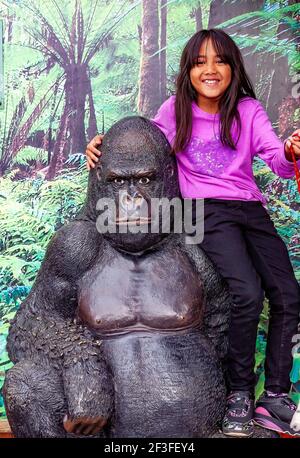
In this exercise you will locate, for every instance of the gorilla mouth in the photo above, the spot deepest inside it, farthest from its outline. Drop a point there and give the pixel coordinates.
(137, 221)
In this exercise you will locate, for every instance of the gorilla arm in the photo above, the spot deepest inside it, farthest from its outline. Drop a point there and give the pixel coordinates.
(218, 301)
(44, 330)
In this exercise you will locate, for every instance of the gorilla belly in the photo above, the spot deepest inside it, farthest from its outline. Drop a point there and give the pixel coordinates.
(165, 385)
(134, 293)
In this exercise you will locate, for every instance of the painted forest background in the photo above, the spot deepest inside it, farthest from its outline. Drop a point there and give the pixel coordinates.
(74, 67)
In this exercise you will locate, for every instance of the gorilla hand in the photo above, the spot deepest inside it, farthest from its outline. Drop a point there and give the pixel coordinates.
(86, 426)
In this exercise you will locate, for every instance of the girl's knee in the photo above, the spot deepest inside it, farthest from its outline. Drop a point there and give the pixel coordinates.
(249, 300)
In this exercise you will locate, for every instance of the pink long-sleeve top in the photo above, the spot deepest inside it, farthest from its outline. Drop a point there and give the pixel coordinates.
(206, 168)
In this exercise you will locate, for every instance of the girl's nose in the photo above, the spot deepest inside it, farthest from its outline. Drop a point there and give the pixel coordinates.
(210, 67)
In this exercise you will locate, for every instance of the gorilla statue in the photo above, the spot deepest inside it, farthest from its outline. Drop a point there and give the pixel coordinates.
(123, 334)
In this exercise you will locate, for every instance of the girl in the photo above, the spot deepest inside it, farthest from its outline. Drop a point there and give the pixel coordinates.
(216, 126)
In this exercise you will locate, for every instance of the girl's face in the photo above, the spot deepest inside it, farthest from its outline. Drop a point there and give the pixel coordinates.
(210, 76)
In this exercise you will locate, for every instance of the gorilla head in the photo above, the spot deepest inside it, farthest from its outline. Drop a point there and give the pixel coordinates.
(135, 167)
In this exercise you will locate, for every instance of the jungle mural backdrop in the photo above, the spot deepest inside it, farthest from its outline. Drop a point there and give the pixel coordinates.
(74, 67)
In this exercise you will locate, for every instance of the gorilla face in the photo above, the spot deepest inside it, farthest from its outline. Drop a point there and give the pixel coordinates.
(135, 167)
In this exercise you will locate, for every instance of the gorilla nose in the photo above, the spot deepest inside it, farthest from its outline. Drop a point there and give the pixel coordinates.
(131, 201)
(132, 206)
(138, 200)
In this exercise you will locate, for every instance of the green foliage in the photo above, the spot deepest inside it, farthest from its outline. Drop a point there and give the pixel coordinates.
(31, 211)
(265, 23)
(261, 350)
(29, 156)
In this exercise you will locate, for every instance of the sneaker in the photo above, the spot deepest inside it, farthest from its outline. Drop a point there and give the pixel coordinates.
(238, 417)
(275, 413)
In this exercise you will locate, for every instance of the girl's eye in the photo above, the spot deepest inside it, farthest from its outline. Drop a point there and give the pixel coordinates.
(119, 181)
(144, 180)
(202, 61)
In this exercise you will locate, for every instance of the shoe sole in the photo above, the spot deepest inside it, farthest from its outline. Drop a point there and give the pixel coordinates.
(272, 424)
(236, 434)
(241, 436)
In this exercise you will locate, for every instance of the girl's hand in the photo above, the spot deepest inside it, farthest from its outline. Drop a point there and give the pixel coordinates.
(92, 153)
(294, 140)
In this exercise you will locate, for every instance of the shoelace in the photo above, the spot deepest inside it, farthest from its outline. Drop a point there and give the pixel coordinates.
(240, 402)
(284, 397)
(289, 403)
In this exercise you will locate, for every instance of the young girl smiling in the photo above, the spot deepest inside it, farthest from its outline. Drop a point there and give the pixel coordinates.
(216, 127)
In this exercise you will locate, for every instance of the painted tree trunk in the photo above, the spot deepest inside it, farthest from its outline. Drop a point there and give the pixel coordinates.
(71, 138)
(149, 89)
(163, 53)
(77, 88)
(222, 10)
(280, 86)
(92, 126)
(198, 18)
(57, 157)
(286, 112)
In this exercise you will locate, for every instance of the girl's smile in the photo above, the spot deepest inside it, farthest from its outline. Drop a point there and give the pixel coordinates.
(210, 77)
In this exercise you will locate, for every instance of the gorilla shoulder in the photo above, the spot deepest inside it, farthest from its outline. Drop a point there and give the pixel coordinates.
(73, 249)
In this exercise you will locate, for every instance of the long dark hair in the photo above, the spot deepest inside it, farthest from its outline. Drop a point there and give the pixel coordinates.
(239, 87)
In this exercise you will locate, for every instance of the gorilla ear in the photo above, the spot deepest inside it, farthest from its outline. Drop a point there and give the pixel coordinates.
(169, 171)
(99, 171)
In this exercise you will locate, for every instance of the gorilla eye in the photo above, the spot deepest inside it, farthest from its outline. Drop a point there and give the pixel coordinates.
(119, 180)
(144, 180)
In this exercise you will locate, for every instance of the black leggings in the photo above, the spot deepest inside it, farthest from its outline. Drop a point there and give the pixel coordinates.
(241, 240)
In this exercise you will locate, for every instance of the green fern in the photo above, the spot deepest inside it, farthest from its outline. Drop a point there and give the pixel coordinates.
(29, 156)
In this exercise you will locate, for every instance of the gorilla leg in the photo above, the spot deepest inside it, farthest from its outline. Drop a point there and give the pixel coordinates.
(34, 401)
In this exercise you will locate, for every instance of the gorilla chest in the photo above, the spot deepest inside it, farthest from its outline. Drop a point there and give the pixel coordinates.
(127, 293)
